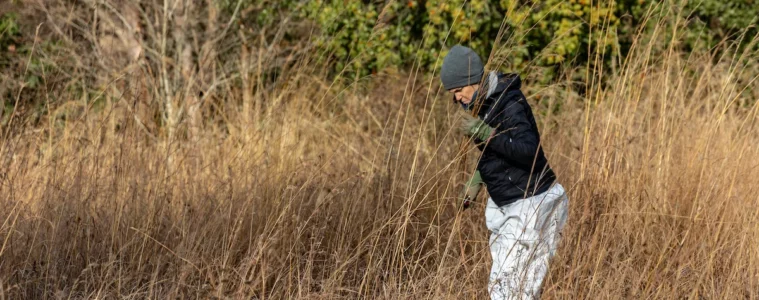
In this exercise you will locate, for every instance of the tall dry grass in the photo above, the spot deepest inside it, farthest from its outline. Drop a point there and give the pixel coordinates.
(351, 193)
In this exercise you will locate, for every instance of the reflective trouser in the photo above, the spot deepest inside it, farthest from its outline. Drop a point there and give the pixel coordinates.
(524, 236)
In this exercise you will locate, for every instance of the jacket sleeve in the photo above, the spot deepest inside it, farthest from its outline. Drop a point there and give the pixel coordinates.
(515, 139)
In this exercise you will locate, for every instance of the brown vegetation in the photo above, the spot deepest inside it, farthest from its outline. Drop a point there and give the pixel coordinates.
(299, 189)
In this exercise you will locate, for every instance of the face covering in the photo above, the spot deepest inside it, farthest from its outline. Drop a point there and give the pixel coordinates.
(471, 104)
(465, 106)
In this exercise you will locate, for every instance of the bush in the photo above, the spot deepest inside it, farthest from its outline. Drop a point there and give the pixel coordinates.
(713, 21)
(8, 30)
(362, 37)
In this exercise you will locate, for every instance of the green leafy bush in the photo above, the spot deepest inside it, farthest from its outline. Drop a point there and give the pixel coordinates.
(363, 38)
(715, 20)
(366, 37)
(9, 33)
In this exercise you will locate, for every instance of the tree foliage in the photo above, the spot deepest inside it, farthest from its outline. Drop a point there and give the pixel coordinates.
(364, 37)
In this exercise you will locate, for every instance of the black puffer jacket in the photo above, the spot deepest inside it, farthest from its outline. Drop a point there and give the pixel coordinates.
(512, 165)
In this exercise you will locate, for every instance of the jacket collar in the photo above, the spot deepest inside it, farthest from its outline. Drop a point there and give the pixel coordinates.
(495, 83)
(507, 82)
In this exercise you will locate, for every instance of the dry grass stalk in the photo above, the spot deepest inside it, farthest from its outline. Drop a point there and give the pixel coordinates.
(354, 197)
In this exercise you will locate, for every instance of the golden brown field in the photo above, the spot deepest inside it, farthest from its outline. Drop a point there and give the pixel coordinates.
(310, 190)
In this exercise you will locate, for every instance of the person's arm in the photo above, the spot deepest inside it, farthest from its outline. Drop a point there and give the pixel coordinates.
(471, 189)
(514, 139)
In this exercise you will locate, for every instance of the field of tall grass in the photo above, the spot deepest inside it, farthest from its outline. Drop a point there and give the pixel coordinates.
(308, 189)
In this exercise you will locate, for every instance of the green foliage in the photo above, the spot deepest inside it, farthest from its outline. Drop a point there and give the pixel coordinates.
(9, 34)
(558, 30)
(8, 29)
(258, 13)
(446, 23)
(722, 20)
(364, 37)
(350, 38)
(23, 80)
(725, 16)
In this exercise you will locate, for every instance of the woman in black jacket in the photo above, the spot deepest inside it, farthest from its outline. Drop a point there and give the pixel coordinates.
(527, 208)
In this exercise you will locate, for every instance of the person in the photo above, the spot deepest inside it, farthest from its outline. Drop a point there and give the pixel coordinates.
(527, 207)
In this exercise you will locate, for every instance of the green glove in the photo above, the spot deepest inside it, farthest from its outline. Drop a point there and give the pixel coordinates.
(471, 189)
(474, 127)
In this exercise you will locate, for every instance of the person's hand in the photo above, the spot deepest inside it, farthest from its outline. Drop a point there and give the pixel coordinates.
(474, 127)
(471, 189)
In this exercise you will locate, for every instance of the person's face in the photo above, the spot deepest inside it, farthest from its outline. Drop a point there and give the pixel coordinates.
(464, 94)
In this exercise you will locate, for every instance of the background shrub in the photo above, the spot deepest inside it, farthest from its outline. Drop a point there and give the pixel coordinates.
(369, 36)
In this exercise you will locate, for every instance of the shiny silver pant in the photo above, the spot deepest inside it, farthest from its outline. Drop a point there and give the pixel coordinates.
(524, 236)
